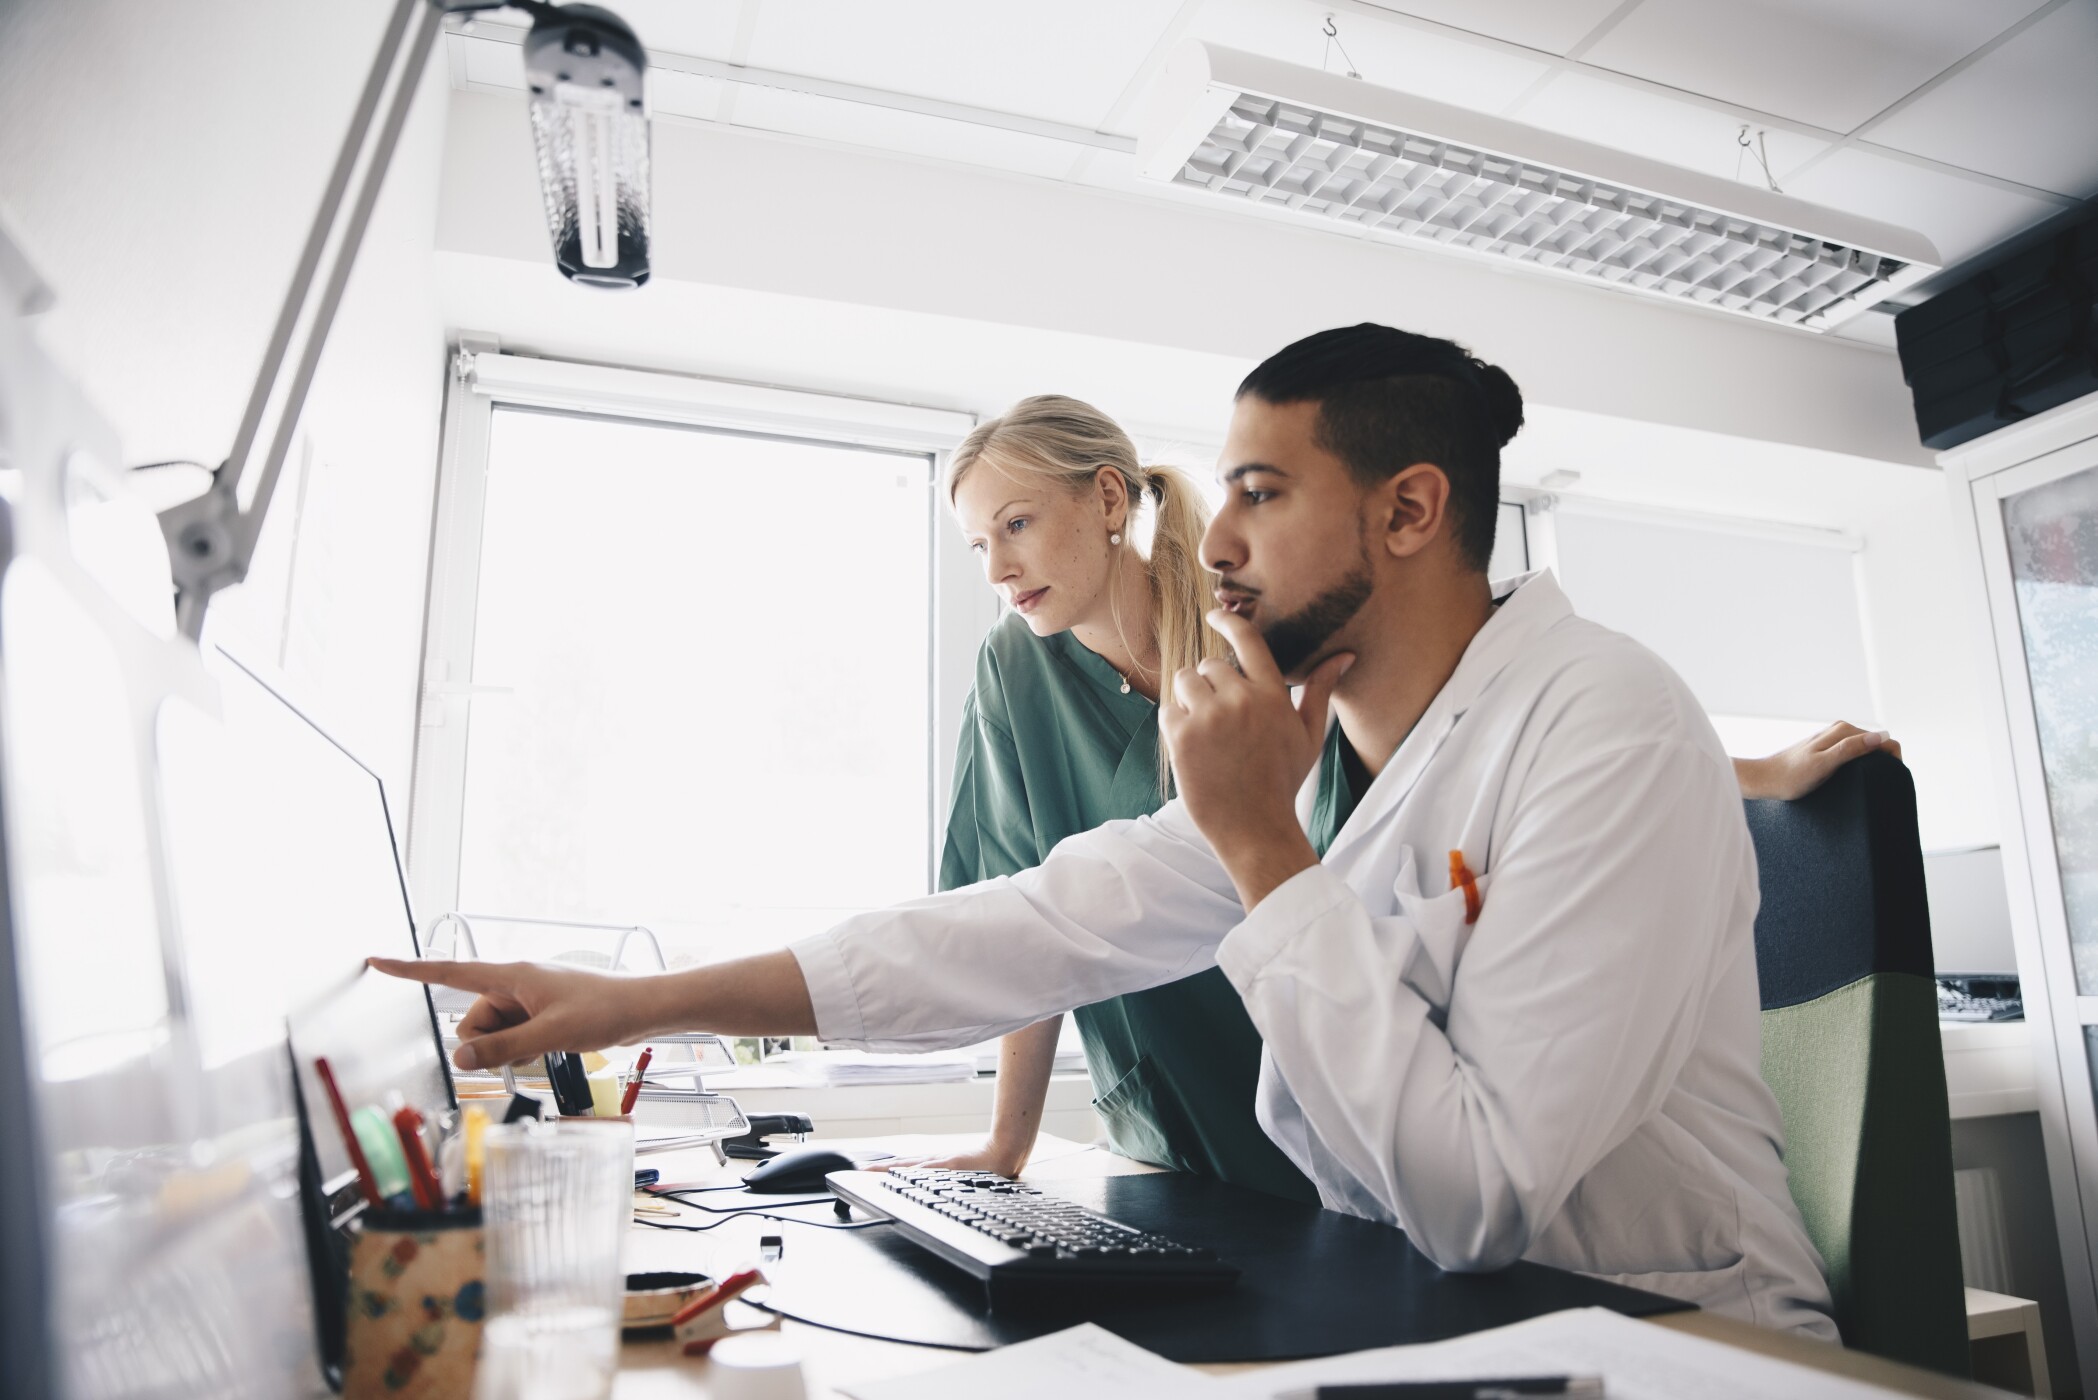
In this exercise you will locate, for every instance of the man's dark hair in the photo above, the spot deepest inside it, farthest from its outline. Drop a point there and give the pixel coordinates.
(1389, 398)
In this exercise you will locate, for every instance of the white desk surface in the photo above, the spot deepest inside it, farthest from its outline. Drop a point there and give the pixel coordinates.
(656, 1370)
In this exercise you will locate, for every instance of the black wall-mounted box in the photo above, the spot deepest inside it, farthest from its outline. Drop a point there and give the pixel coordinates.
(2011, 340)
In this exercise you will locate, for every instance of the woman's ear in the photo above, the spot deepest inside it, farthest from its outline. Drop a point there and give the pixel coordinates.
(1114, 498)
(1412, 507)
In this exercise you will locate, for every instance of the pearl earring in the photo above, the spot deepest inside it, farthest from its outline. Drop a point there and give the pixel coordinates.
(1114, 539)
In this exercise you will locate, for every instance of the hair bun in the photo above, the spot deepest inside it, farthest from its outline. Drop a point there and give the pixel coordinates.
(1504, 402)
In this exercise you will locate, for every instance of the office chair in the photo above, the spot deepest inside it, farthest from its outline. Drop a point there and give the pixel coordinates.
(1851, 1049)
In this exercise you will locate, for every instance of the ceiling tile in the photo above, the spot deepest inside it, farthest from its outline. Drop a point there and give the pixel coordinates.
(1874, 328)
(829, 119)
(1066, 62)
(1961, 217)
(1827, 63)
(1646, 123)
(1388, 54)
(2025, 111)
(1552, 25)
(679, 26)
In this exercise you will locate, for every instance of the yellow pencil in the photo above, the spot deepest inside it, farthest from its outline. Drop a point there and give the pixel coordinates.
(476, 1125)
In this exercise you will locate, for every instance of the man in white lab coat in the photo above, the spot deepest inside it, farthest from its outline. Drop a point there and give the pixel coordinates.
(1494, 924)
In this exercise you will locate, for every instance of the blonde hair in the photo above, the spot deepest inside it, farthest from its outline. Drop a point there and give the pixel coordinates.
(1069, 443)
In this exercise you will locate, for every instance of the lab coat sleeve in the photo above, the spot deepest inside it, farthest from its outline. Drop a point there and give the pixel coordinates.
(1581, 991)
(1122, 907)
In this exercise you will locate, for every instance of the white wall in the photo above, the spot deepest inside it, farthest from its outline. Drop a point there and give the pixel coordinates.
(160, 164)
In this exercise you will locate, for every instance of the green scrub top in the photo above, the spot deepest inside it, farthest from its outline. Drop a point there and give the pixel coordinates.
(1051, 745)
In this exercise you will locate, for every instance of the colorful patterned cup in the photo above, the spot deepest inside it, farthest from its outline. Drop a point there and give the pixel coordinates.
(417, 1294)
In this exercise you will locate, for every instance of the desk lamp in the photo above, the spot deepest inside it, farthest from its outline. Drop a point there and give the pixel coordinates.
(586, 74)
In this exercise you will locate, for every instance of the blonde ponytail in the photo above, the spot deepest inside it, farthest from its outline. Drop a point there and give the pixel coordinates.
(1069, 442)
(1180, 587)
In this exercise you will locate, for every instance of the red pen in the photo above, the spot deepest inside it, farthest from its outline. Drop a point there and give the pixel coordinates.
(422, 1178)
(367, 1185)
(633, 1087)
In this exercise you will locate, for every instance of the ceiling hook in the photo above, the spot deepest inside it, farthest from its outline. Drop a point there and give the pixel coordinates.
(1332, 30)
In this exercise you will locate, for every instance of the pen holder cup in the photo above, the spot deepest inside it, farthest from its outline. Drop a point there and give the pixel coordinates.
(416, 1297)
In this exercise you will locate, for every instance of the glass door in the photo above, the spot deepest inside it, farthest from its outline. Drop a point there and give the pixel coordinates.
(2036, 523)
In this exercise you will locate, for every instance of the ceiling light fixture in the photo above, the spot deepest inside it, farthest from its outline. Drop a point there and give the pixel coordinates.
(587, 72)
(1273, 134)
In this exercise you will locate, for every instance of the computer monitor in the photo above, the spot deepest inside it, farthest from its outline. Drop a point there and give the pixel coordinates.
(1970, 913)
(287, 876)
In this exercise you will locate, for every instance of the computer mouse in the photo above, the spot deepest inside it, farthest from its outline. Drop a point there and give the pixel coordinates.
(800, 1171)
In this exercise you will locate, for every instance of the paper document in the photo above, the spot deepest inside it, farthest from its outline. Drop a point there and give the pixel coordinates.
(1084, 1361)
(839, 1068)
(1636, 1360)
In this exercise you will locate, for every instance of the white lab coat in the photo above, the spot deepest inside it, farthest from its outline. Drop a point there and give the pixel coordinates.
(1573, 1079)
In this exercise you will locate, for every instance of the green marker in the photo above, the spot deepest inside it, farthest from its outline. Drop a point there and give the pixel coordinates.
(382, 1150)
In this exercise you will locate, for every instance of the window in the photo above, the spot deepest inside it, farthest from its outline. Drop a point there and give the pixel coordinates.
(681, 673)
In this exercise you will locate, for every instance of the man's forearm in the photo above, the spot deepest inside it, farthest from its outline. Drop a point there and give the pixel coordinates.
(761, 995)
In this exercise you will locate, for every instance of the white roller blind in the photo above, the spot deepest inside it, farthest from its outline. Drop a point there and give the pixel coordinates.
(1764, 626)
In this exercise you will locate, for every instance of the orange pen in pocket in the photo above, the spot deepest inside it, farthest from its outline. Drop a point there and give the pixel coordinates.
(1461, 877)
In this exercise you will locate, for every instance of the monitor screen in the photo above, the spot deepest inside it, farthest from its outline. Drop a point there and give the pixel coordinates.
(286, 879)
(1970, 913)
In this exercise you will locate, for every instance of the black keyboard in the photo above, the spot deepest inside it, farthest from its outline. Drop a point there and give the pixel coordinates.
(1980, 999)
(1018, 1239)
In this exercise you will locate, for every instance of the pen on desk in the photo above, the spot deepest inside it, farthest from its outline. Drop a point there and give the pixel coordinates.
(367, 1184)
(422, 1178)
(1511, 1388)
(633, 1087)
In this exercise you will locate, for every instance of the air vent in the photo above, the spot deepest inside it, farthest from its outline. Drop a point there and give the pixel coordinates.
(1336, 149)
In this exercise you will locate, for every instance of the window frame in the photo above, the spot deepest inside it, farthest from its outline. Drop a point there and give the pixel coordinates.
(481, 379)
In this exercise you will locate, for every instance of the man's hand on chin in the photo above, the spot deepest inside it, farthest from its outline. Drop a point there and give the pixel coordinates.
(1241, 751)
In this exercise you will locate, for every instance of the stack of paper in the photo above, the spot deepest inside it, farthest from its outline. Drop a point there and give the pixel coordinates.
(1635, 1361)
(1070, 1058)
(845, 1068)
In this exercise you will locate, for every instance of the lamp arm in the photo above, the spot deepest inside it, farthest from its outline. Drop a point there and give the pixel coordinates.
(211, 539)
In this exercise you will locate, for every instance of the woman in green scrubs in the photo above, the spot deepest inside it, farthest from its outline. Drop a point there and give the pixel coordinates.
(1060, 734)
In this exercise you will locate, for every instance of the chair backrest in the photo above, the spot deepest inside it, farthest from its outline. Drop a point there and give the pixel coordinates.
(1851, 1049)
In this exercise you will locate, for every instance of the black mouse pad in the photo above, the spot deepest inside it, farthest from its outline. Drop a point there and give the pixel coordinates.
(1313, 1282)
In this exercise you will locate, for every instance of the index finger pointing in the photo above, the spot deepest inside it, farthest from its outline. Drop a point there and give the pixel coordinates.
(1255, 661)
(466, 976)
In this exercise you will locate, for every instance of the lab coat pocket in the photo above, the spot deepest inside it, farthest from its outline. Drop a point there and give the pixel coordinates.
(1441, 931)
(1722, 1290)
(1144, 1117)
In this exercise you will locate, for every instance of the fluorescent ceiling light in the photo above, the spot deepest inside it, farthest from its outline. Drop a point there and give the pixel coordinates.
(1336, 148)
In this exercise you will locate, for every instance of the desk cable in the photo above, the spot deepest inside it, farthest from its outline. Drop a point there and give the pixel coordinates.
(733, 1211)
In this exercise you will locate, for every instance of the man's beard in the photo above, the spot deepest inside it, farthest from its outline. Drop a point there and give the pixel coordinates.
(1295, 639)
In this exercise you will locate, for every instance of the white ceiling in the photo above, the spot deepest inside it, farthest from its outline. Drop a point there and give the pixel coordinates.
(1966, 120)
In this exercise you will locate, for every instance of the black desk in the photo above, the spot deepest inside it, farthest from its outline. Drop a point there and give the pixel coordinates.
(1314, 1283)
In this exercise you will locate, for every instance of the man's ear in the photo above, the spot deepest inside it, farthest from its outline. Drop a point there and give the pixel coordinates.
(1411, 508)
